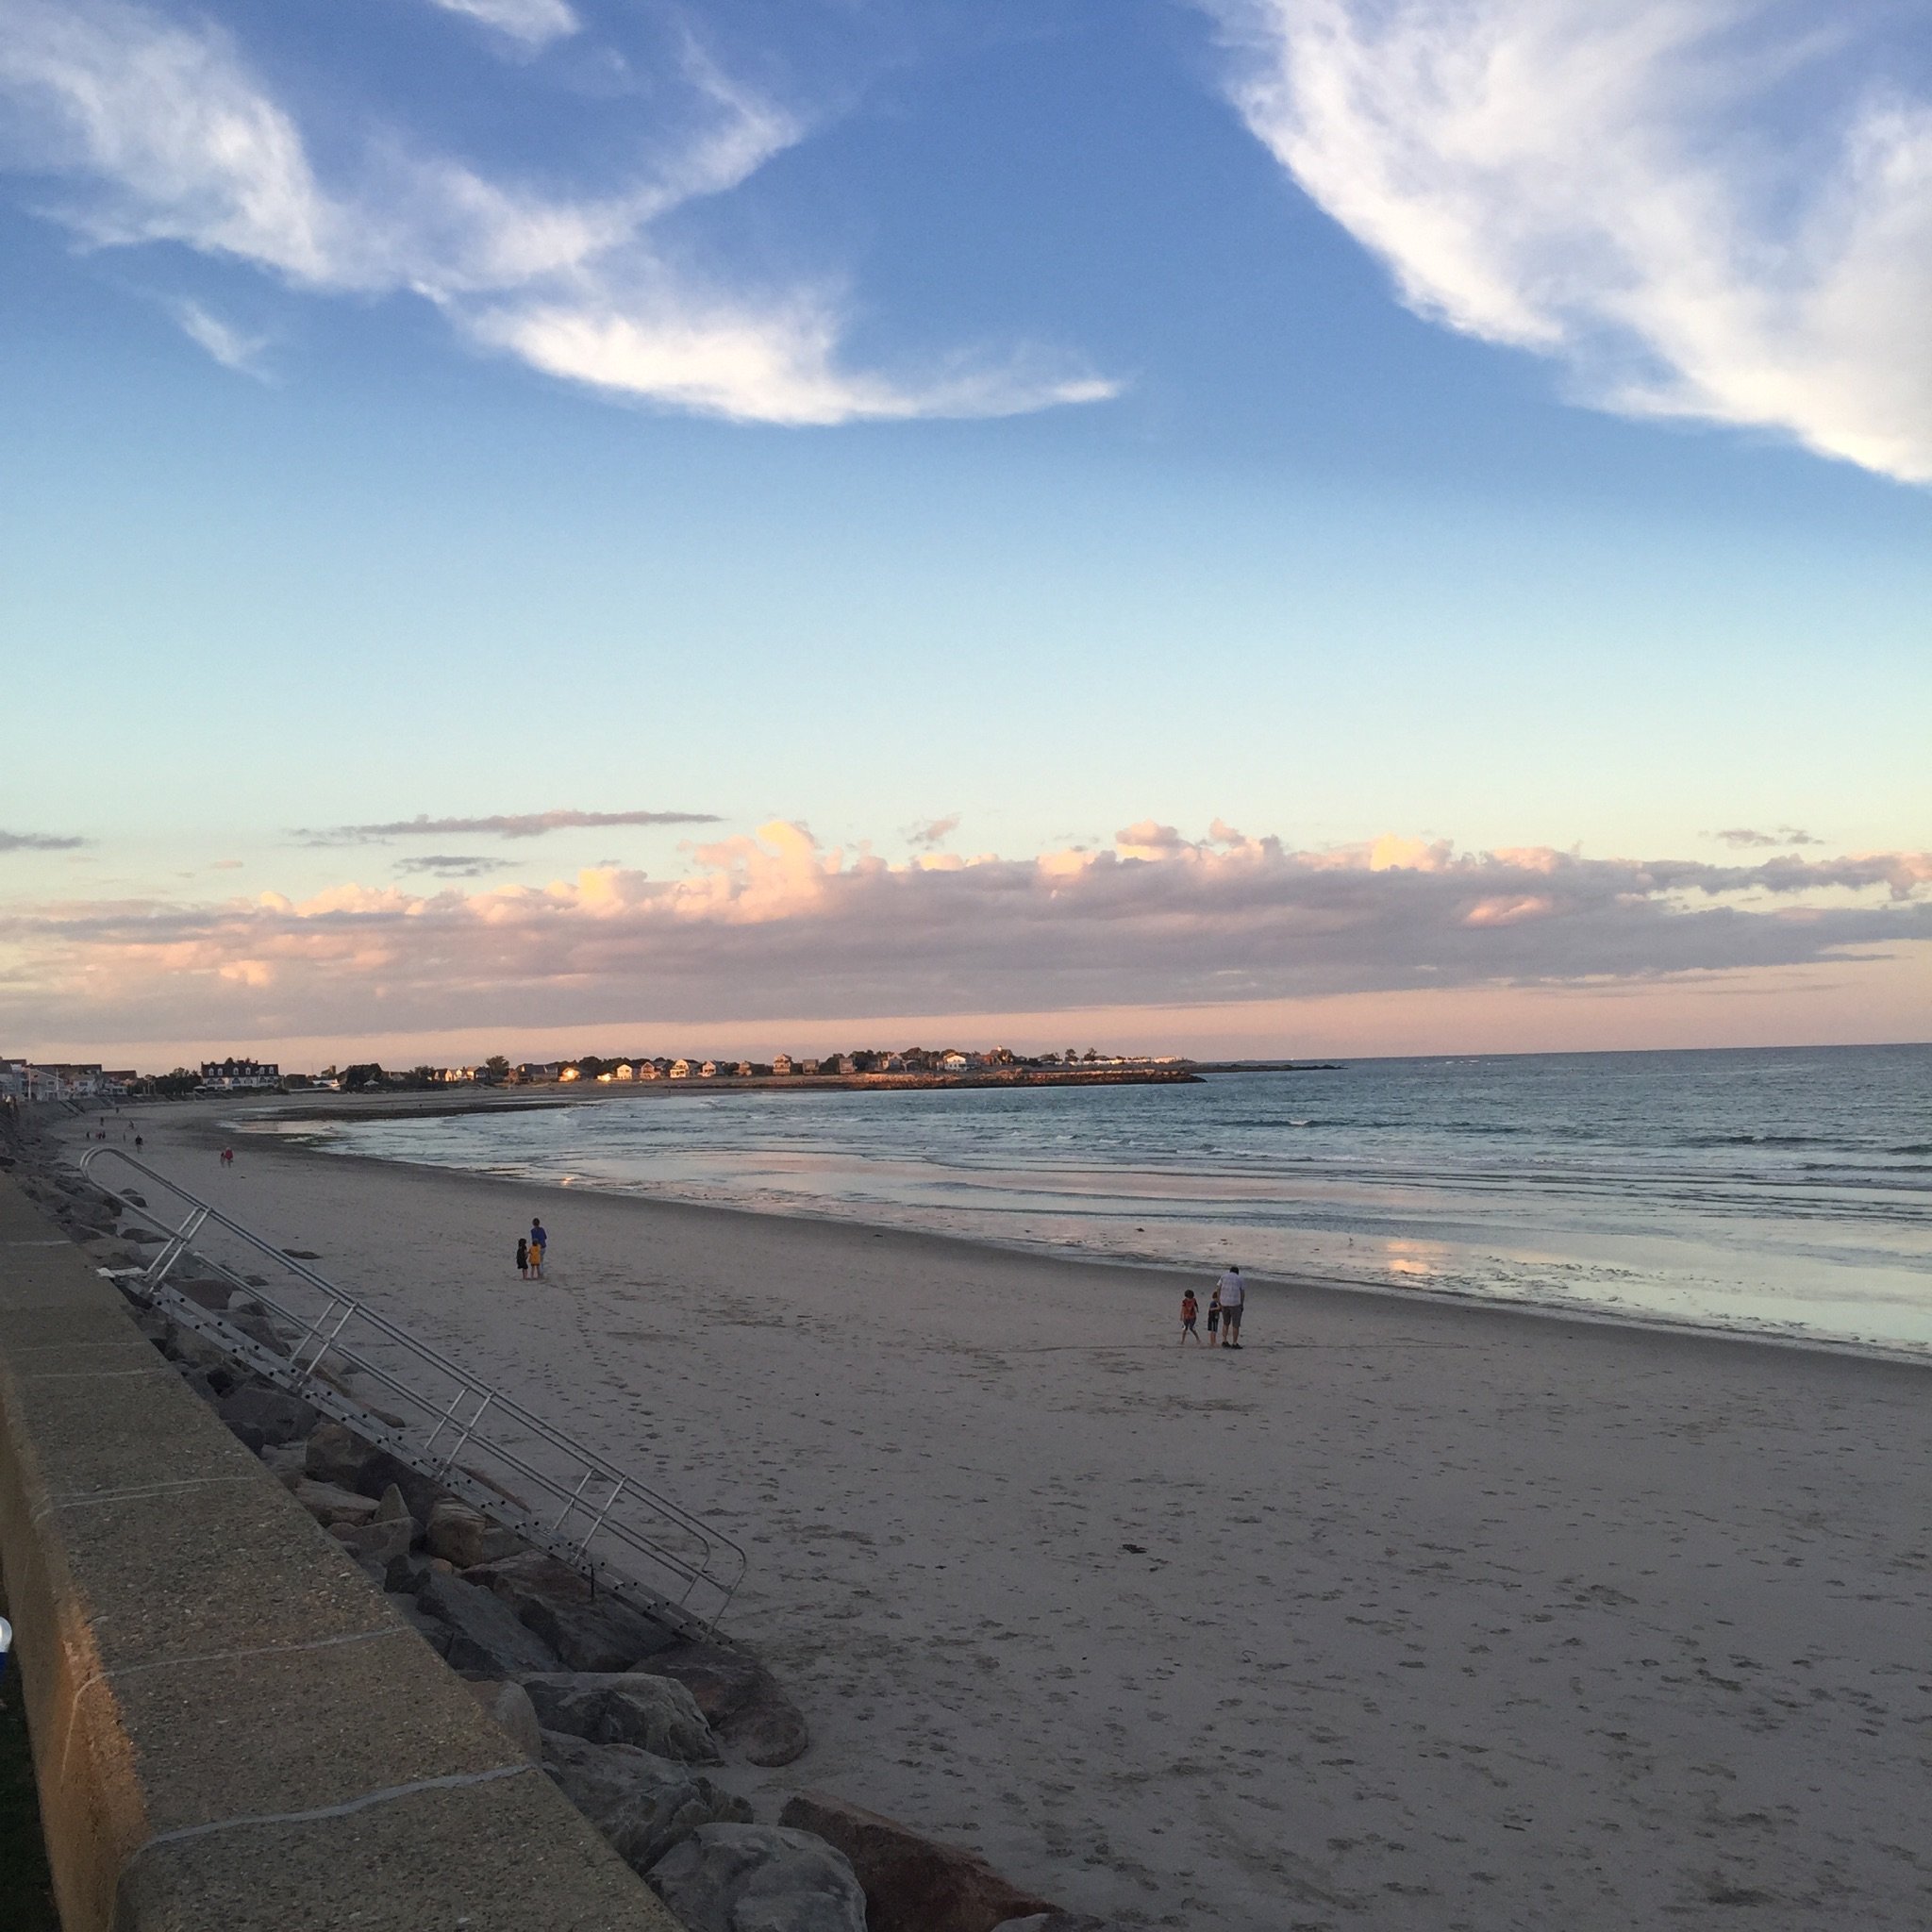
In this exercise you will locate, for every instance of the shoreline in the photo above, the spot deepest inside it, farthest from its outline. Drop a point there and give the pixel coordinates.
(1550, 1309)
(1313, 1635)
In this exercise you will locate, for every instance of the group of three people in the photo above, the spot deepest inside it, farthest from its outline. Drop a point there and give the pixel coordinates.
(530, 1251)
(1224, 1310)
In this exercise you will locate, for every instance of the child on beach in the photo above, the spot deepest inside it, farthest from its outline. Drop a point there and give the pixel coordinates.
(1214, 1311)
(523, 1256)
(1190, 1309)
(540, 1240)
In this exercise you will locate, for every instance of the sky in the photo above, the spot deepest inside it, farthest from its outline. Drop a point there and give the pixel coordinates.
(1249, 526)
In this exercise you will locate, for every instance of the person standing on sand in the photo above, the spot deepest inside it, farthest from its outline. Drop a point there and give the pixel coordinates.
(1232, 1294)
(1190, 1309)
(539, 1241)
(523, 1257)
(1214, 1315)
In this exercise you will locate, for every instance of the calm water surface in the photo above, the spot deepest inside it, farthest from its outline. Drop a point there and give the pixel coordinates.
(1787, 1190)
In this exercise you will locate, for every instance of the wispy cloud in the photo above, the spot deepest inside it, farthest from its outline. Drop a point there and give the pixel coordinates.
(225, 343)
(452, 865)
(1745, 839)
(160, 132)
(1715, 212)
(774, 927)
(38, 841)
(933, 832)
(527, 824)
(535, 22)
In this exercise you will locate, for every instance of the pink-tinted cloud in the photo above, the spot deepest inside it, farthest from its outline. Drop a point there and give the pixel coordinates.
(778, 927)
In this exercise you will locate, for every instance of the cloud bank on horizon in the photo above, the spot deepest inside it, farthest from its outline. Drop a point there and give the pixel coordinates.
(1720, 212)
(773, 926)
(156, 128)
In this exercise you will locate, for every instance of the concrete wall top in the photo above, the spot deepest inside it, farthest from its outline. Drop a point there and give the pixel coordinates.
(231, 1728)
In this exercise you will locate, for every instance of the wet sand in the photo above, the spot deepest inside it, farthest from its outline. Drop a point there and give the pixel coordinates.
(1406, 1616)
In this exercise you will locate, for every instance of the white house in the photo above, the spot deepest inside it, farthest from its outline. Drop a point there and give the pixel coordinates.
(953, 1062)
(708, 1071)
(239, 1076)
(782, 1064)
(680, 1070)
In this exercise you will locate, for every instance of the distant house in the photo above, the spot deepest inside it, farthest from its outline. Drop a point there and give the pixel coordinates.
(807, 1066)
(680, 1070)
(120, 1080)
(624, 1071)
(708, 1071)
(845, 1064)
(650, 1069)
(12, 1079)
(743, 1070)
(953, 1062)
(237, 1077)
(782, 1064)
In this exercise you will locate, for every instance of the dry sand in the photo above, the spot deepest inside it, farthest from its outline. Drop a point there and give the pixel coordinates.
(1406, 1617)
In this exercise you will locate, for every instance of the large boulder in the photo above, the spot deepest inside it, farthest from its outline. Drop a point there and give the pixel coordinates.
(508, 1705)
(590, 1630)
(377, 1544)
(740, 1698)
(642, 1803)
(912, 1883)
(272, 1413)
(382, 1470)
(465, 1537)
(327, 1503)
(625, 1708)
(758, 1879)
(484, 1634)
(335, 1454)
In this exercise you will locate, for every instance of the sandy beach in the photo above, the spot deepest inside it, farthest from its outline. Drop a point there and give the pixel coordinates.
(1407, 1616)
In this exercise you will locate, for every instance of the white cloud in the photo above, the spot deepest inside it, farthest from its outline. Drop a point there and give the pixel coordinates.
(225, 342)
(1718, 209)
(159, 133)
(536, 23)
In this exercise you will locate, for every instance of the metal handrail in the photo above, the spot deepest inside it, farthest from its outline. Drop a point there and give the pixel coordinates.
(700, 1567)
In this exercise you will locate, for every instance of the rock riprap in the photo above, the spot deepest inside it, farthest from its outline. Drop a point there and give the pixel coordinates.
(625, 1708)
(643, 1804)
(740, 1698)
(912, 1884)
(760, 1878)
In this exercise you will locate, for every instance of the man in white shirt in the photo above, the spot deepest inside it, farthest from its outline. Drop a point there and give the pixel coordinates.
(1233, 1294)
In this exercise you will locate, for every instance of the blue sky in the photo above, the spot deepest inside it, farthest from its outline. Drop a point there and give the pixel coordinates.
(1492, 425)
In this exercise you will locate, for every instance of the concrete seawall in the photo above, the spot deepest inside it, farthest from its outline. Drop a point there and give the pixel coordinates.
(231, 1728)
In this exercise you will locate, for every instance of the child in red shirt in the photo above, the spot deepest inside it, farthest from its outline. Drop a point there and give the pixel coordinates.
(1191, 1310)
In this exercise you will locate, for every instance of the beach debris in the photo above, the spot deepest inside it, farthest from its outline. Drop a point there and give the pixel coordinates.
(740, 1700)
(643, 1804)
(912, 1884)
(507, 1704)
(625, 1708)
(724, 1877)
(484, 1634)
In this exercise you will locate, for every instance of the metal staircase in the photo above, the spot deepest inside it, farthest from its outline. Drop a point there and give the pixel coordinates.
(517, 1469)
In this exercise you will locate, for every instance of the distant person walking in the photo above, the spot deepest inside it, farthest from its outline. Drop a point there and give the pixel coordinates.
(539, 1241)
(1191, 1310)
(1214, 1314)
(1233, 1294)
(523, 1256)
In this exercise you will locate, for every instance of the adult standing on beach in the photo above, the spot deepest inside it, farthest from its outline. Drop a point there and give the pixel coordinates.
(1233, 1294)
(539, 1241)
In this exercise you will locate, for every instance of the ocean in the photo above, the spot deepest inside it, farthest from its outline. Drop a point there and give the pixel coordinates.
(1784, 1191)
